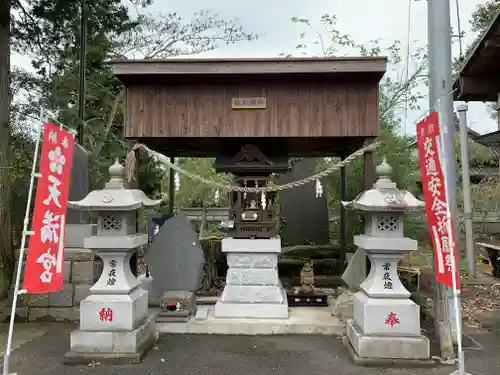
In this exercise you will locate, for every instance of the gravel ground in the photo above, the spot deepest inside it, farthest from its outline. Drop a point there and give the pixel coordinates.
(235, 355)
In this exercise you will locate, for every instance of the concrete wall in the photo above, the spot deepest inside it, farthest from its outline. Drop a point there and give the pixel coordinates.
(81, 269)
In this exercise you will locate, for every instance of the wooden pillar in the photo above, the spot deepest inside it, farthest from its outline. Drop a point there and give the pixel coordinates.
(342, 221)
(369, 180)
(369, 172)
(171, 189)
(134, 184)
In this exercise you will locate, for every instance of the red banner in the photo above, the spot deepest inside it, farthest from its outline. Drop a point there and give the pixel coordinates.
(433, 185)
(45, 262)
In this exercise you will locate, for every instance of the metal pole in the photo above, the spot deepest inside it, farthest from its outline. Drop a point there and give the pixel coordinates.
(464, 157)
(82, 68)
(440, 87)
(171, 189)
(20, 262)
(342, 223)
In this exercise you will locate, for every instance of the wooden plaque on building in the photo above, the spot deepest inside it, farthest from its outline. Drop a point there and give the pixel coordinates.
(248, 103)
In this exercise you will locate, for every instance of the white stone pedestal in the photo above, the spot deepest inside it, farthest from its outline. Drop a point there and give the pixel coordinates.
(114, 323)
(386, 324)
(253, 289)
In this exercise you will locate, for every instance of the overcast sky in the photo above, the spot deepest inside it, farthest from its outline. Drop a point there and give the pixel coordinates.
(364, 20)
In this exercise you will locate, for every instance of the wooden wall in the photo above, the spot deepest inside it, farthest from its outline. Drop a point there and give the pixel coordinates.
(294, 109)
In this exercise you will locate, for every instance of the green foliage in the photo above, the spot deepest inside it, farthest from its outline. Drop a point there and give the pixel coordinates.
(48, 31)
(194, 194)
(398, 92)
(483, 15)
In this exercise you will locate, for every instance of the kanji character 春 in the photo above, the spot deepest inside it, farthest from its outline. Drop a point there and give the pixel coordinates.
(50, 227)
(392, 319)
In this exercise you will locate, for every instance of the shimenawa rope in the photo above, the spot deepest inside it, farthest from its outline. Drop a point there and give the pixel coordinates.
(130, 165)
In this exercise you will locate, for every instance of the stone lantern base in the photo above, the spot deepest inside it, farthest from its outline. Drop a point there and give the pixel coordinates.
(112, 347)
(114, 328)
(387, 331)
(387, 350)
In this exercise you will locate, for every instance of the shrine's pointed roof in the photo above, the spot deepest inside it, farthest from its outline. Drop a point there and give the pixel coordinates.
(385, 196)
(114, 196)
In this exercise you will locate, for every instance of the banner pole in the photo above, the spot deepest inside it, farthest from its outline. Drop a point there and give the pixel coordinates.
(453, 253)
(20, 262)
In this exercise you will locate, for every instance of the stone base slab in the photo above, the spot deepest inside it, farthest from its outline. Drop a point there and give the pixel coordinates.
(112, 347)
(387, 350)
(251, 310)
(301, 321)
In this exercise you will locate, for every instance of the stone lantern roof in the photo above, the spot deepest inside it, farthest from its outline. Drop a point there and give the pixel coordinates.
(385, 196)
(115, 196)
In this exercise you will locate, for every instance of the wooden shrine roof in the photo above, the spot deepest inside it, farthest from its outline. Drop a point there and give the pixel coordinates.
(479, 77)
(132, 71)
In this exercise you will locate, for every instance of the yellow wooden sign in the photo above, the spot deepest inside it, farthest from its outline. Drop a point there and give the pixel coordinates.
(248, 103)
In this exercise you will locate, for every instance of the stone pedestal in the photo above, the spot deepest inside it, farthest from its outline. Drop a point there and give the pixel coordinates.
(253, 289)
(114, 321)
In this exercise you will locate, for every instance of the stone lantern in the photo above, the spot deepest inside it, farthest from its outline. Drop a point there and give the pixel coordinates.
(386, 323)
(114, 320)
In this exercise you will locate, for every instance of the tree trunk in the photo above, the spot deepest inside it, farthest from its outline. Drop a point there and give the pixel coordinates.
(6, 251)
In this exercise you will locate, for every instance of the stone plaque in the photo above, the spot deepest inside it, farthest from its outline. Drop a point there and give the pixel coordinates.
(175, 257)
(305, 216)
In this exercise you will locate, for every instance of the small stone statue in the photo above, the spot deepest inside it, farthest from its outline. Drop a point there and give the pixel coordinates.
(307, 278)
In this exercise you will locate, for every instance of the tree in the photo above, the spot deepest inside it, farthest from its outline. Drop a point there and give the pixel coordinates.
(483, 15)
(48, 32)
(6, 254)
(399, 91)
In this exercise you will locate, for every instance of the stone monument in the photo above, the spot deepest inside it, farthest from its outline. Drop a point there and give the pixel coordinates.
(386, 324)
(114, 322)
(176, 261)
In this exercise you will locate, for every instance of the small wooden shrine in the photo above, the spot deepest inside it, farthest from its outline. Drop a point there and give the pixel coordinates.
(252, 115)
(252, 214)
